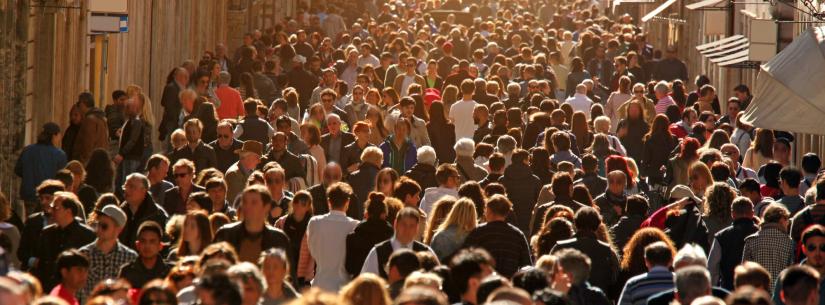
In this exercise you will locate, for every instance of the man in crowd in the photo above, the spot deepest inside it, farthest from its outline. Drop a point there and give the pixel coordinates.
(503, 241)
(231, 103)
(771, 247)
(252, 127)
(728, 244)
(139, 207)
(658, 257)
(237, 174)
(157, 169)
(174, 201)
(225, 146)
(577, 267)
(467, 168)
(38, 162)
(73, 268)
(33, 228)
(418, 134)
(406, 229)
(93, 133)
(522, 188)
(132, 141)
(604, 259)
(371, 231)
(335, 139)
(195, 150)
(106, 253)
(326, 234)
(252, 235)
(461, 113)
(170, 100)
(800, 285)
(612, 203)
(468, 268)
(65, 233)
(279, 153)
(448, 182)
(148, 265)
(789, 180)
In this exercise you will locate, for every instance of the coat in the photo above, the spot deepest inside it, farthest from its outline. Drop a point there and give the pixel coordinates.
(320, 206)
(352, 155)
(93, 134)
(423, 174)
(442, 139)
(468, 170)
(289, 161)
(148, 211)
(604, 261)
(366, 235)
(399, 81)
(174, 204)
(171, 109)
(235, 181)
(390, 152)
(203, 156)
(522, 189)
(37, 162)
(233, 233)
(346, 139)
(362, 182)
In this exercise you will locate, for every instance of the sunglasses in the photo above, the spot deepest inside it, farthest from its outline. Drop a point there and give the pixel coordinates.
(103, 226)
(181, 175)
(812, 247)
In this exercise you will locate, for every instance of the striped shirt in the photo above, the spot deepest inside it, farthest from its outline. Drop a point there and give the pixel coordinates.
(640, 287)
(662, 104)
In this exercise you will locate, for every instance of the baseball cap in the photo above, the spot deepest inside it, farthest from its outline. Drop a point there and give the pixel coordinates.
(681, 191)
(115, 213)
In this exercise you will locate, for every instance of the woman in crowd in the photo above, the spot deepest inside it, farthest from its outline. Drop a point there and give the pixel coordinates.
(367, 289)
(294, 224)
(717, 214)
(100, 171)
(540, 164)
(760, 151)
(385, 181)
(551, 232)
(275, 267)
(581, 130)
(312, 137)
(378, 129)
(656, 141)
(441, 133)
(438, 214)
(86, 193)
(700, 178)
(617, 99)
(196, 235)
(399, 150)
(633, 129)
(678, 167)
(450, 235)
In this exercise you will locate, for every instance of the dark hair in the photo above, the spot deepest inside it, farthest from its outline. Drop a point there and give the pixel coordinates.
(636, 205)
(561, 185)
(86, 99)
(224, 290)
(202, 200)
(71, 258)
(405, 261)
(587, 219)
(100, 172)
(753, 274)
(408, 212)
(375, 205)
(490, 284)
(811, 163)
(405, 187)
(468, 263)
(750, 185)
(444, 172)
(497, 161)
(150, 226)
(589, 163)
(720, 171)
(154, 161)
(798, 282)
(499, 205)
(338, 194)
(791, 175)
(658, 254)
(531, 279)
(812, 231)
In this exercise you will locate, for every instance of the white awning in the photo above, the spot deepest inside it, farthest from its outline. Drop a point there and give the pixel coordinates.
(703, 4)
(658, 10)
(620, 2)
(726, 51)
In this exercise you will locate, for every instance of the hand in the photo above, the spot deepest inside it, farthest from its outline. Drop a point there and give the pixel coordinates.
(118, 159)
(561, 281)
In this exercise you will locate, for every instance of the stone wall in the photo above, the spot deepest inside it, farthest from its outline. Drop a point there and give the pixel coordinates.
(13, 36)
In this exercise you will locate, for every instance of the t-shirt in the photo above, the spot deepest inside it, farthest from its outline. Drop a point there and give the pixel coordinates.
(462, 115)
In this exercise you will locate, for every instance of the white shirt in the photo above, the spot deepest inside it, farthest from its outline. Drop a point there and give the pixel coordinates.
(433, 194)
(327, 240)
(580, 102)
(461, 113)
(371, 262)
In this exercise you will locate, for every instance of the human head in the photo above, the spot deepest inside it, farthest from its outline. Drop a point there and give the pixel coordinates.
(690, 255)
(497, 207)
(366, 288)
(691, 283)
(752, 274)
(468, 268)
(73, 268)
(406, 225)
(575, 263)
(256, 201)
(408, 191)
(813, 246)
(426, 155)
(338, 196)
(251, 281)
(658, 254)
(799, 285)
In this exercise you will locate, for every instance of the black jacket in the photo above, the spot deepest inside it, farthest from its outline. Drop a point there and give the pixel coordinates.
(148, 210)
(31, 231)
(505, 243)
(688, 227)
(653, 158)
(362, 182)
(606, 203)
(442, 139)
(586, 294)
(226, 157)
(732, 241)
(624, 229)
(604, 261)
(254, 128)
(288, 161)
(132, 139)
(346, 139)
(171, 109)
(173, 203)
(595, 184)
(203, 156)
(352, 154)
(51, 243)
(137, 275)
(366, 235)
(424, 174)
(522, 189)
(234, 233)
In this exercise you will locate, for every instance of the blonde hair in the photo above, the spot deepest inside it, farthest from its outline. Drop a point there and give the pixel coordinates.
(372, 155)
(425, 279)
(601, 124)
(367, 288)
(178, 138)
(147, 111)
(77, 169)
(547, 263)
(462, 215)
(441, 208)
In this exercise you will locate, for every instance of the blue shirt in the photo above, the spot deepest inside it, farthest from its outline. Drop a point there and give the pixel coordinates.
(38, 162)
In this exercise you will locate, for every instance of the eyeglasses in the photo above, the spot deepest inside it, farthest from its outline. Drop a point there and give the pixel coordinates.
(181, 175)
(812, 247)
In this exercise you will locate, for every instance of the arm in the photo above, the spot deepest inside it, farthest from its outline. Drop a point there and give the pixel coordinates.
(371, 263)
(714, 259)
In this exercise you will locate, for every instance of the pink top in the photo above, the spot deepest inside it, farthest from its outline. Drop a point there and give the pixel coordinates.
(231, 102)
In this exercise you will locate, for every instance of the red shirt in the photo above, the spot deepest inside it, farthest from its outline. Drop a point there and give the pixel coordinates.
(231, 103)
(64, 294)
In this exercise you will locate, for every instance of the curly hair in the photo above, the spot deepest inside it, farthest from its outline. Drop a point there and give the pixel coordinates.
(633, 257)
(557, 229)
(718, 200)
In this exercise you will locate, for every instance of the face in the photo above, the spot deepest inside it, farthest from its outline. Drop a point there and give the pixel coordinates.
(251, 292)
(275, 182)
(358, 94)
(733, 110)
(710, 123)
(332, 174)
(134, 190)
(224, 136)
(333, 125)
(250, 160)
(780, 151)
(616, 184)
(74, 277)
(183, 176)
(59, 212)
(253, 207)
(327, 100)
(815, 252)
(406, 229)
(385, 184)
(432, 68)
(300, 207)
(217, 194)
(203, 82)
(698, 181)
(162, 169)
(106, 229)
(274, 270)
(193, 135)
(363, 134)
(329, 78)
(401, 130)
(148, 244)
(190, 230)
(191, 205)
(279, 142)
(407, 111)
(45, 202)
(412, 200)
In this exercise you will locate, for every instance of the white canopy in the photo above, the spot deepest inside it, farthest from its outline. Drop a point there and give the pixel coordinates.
(790, 88)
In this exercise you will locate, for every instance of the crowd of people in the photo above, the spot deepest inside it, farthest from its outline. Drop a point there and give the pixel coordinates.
(371, 153)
